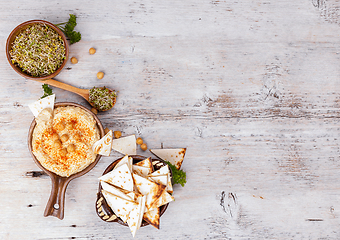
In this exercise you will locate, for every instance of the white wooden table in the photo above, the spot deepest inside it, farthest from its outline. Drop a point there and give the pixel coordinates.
(251, 88)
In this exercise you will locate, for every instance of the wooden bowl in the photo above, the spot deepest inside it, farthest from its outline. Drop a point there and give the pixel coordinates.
(22, 27)
(102, 208)
(55, 204)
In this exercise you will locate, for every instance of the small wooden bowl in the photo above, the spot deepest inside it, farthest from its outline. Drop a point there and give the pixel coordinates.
(103, 209)
(55, 204)
(22, 27)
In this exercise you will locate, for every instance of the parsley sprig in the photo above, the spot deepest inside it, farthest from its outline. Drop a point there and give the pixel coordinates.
(178, 176)
(68, 29)
(47, 91)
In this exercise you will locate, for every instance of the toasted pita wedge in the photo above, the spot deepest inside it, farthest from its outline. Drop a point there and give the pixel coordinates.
(125, 160)
(125, 145)
(162, 171)
(136, 215)
(141, 171)
(38, 106)
(146, 163)
(103, 145)
(163, 199)
(150, 189)
(161, 179)
(169, 188)
(174, 156)
(120, 206)
(119, 177)
(152, 217)
(116, 191)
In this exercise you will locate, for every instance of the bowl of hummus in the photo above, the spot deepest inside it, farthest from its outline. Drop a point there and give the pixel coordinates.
(60, 142)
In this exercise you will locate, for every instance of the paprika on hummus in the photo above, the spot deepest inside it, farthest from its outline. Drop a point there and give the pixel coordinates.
(62, 140)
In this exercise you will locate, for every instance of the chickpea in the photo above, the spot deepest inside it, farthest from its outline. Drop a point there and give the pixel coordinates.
(144, 147)
(95, 111)
(117, 134)
(55, 136)
(106, 130)
(57, 143)
(92, 51)
(63, 152)
(139, 141)
(71, 148)
(100, 75)
(69, 125)
(74, 60)
(60, 126)
(64, 138)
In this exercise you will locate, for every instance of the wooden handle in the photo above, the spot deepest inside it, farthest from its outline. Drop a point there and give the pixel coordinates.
(55, 204)
(81, 92)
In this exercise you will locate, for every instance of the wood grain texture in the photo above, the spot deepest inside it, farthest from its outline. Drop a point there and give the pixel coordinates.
(250, 88)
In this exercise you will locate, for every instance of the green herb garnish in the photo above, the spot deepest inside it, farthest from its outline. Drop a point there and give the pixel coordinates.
(38, 50)
(102, 98)
(178, 176)
(47, 91)
(68, 29)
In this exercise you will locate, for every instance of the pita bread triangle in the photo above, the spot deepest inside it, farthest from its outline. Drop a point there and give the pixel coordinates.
(46, 102)
(150, 189)
(119, 177)
(112, 189)
(152, 217)
(174, 156)
(125, 160)
(162, 171)
(141, 171)
(136, 215)
(161, 179)
(120, 206)
(103, 145)
(125, 145)
(145, 163)
(163, 199)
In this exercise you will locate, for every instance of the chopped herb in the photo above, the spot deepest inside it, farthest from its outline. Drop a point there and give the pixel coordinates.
(47, 91)
(178, 176)
(38, 50)
(102, 98)
(68, 29)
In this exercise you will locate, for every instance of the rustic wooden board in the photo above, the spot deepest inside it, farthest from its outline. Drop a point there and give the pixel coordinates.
(251, 88)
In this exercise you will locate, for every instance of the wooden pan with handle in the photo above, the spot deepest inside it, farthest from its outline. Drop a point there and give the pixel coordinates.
(55, 204)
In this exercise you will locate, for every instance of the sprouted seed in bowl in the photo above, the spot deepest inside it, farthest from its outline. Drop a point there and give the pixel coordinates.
(102, 98)
(38, 50)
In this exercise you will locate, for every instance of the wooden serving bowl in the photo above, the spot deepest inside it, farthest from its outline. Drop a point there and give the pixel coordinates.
(103, 209)
(55, 204)
(22, 27)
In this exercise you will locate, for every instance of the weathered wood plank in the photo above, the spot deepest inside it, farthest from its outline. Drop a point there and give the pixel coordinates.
(249, 87)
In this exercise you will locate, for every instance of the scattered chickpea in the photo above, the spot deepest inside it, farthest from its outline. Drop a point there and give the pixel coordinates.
(95, 111)
(57, 143)
(106, 130)
(139, 141)
(64, 138)
(144, 147)
(100, 75)
(69, 125)
(55, 136)
(63, 152)
(74, 60)
(117, 134)
(60, 126)
(71, 148)
(92, 51)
